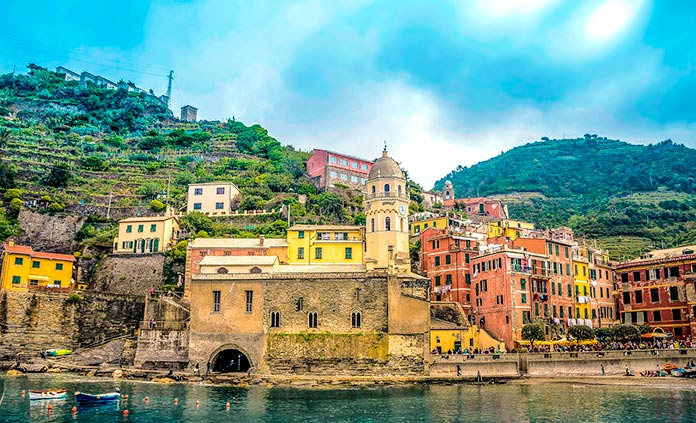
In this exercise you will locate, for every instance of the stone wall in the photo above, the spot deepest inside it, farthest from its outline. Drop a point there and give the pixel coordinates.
(128, 274)
(36, 321)
(44, 232)
(162, 348)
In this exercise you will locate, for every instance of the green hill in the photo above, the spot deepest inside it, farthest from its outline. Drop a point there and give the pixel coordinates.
(632, 197)
(65, 147)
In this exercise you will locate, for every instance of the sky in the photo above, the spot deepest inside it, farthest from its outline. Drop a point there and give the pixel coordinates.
(444, 83)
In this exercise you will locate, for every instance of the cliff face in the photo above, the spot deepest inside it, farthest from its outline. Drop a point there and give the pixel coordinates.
(128, 274)
(44, 232)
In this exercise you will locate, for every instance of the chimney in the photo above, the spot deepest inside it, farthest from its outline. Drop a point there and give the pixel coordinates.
(261, 238)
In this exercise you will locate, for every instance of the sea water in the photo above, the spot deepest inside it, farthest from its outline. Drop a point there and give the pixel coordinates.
(417, 403)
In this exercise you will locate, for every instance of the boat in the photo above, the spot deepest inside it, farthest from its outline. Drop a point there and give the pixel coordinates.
(48, 394)
(57, 353)
(98, 398)
(677, 372)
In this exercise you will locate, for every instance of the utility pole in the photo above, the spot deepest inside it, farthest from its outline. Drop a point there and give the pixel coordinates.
(169, 89)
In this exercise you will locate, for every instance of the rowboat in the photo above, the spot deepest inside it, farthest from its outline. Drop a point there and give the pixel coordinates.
(90, 398)
(48, 394)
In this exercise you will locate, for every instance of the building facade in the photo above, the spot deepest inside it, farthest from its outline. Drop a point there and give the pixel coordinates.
(24, 269)
(325, 244)
(657, 289)
(211, 198)
(189, 113)
(335, 168)
(145, 235)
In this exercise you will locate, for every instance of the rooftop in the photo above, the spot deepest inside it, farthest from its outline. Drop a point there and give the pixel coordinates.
(324, 228)
(213, 183)
(233, 243)
(666, 253)
(23, 249)
(148, 219)
(344, 155)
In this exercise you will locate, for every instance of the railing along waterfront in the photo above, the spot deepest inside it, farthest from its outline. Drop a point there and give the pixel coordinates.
(676, 354)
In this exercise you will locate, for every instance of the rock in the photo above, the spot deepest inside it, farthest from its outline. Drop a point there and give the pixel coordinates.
(35, 368)
(55, 370)
(163, 380)
(14, 372)
(91, 373)
(117, 374)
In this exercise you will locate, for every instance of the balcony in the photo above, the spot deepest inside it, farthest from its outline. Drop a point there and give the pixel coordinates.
(390, 194)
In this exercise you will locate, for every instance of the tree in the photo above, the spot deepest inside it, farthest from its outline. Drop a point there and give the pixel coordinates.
(625, 332)
(196, 222)
(58, 177)
(178, 252)
(156, 206)
(533, 332)
(581, 332)
(7, 175)
(95, 162)
(150, 189)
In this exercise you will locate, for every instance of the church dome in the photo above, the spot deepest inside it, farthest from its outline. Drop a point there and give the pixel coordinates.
(385, 166)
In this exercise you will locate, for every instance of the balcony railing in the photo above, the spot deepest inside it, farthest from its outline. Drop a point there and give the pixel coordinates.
(390, 194)
(49, 288)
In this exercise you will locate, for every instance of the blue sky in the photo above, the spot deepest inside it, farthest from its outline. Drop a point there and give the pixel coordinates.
(445, 83)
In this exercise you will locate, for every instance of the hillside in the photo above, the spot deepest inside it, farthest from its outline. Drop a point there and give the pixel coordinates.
(84, 150)
(631, 197)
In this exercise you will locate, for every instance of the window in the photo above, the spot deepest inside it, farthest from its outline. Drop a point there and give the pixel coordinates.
(437, 281)
(16, 280)
(363, 180)
(354, 165)
(354, 179)
(673, 293)
(466, 258)
(312, 319)
(639, 297)
(448, 259)
(317, 253)
(59, 266)
(654, 295)
(141, 228)
(219, 206)
(196, 206)
(550, 249)
(570, 290)
(523, 284)
(129, 228)
(35, 264)
(557, 252)
(198, 191)
(624, 277)
(344, 177)
(673, 272)
(216, 301)
(636, 276)
(372, 224)
(300, 252)
(56, 282)
(467, 278)
(300, 234)
(19, 261)
(333, 160)
(344, 162)
(437, 260)
(676, 314)
(333, 174)
(524, 298)
(568, 269)
(566, 252)
(349, 253)
(448, 279)
(387, 223)
(275, 319)
(153, 227)
(355, 319)
(220, 190)
(249, 301)
(657, 316)
(33, 282)
(627, 298)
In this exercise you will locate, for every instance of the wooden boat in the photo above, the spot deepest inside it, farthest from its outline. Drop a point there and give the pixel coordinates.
(99, 398)
(48, 394)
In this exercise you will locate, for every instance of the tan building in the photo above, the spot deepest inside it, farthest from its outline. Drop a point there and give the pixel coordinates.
(212, 198)
(319, 318)
(142, 235)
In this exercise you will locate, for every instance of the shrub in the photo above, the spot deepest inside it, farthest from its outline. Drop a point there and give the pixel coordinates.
(55, 207)
(74, 298)
(16, 204)
(12, 193)
(156, 206)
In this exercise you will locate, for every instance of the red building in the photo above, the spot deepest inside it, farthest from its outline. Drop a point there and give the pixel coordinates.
(658, 289)
(446, 260)
(335, 168)
(482, 206)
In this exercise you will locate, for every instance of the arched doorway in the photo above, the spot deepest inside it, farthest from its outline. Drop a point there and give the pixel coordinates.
(230, 360)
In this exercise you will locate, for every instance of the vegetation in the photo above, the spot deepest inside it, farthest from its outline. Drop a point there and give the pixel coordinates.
(581, 332)
(533, 332)
(601, 188)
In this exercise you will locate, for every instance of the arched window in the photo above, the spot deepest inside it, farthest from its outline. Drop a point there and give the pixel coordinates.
(148, 245)
(223, 271)
(355, 319)
(401, 224)
(386, 188)
(387, 223)
(374, 189)
(255, 270)
(398, 189)
(372, 224)
(312, 319)
(275, 319)
(155, 245)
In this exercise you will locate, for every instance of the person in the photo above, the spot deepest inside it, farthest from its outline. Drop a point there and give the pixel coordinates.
(478, 376)
(207, 368)
(459, 370)
(603, 372)
(196, 370)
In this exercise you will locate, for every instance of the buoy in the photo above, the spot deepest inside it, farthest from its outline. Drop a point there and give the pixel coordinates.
(24, 392)
(125, 413)
(227, 405)
(74, 409)
(125, 396)
(198, 403)
(50, 406)
(176, 401)
(147, 399)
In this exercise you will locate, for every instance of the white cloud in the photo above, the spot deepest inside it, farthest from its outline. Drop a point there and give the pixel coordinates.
(610, 19)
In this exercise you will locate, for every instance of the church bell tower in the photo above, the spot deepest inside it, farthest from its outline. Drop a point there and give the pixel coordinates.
(386, 217)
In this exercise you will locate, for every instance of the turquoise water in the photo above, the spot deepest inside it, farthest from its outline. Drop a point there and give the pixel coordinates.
(461, 403)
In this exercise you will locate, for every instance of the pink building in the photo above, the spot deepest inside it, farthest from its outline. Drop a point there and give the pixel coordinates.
(335, 168)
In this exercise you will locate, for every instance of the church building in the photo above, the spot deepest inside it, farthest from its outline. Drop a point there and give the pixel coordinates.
(369, 316)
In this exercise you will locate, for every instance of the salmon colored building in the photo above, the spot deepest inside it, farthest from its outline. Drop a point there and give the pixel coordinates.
(336, 168)
(446, 260)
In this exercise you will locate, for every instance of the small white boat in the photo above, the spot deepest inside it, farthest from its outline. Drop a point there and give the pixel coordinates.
(48, 394)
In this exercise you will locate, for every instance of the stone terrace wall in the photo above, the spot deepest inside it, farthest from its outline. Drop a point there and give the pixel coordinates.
(129, 274)
(36, 321)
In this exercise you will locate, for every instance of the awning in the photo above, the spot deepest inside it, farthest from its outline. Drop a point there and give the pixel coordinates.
(38, 278)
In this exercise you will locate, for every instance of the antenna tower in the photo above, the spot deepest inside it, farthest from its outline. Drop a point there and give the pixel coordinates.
(169, 89)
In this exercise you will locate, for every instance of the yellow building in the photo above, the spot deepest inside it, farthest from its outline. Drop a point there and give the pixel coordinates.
(507, 228)
(419, 224)
(325, 244)
(212, 198)
(447, 337)
(142, 235)
(24, 269)
(583, 297)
